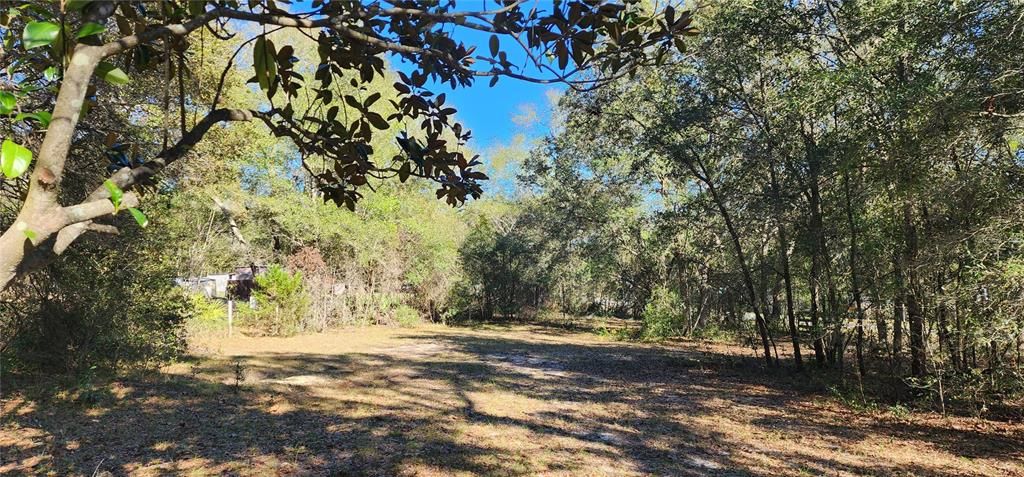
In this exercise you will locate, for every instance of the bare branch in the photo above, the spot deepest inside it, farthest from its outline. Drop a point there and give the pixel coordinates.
(90, 210)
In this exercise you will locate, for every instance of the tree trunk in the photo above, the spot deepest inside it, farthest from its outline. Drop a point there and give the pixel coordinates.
(854, 281)
(794, 333)
(748, 279)
(898, 315)
(819, 253)
(819, 348)
(917, 344)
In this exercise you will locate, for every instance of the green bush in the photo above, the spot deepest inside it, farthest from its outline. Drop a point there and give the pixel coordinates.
(407, 316)
(94, 311)
(281, 303)
(205, 314)
(662, 317)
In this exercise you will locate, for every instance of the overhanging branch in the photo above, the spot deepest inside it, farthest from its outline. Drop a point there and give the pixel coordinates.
(126, 178)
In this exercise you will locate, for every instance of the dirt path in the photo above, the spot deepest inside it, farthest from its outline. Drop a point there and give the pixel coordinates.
(449, 401)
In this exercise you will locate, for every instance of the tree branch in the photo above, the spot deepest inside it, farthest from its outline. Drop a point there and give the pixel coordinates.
(87, 211)
(126, 178)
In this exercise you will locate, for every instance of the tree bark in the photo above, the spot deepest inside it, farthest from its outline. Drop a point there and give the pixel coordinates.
(819, 253)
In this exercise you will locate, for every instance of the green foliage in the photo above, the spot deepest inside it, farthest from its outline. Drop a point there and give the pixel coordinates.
(14, 159)
(281, 303)
(617, 334)
(140, 218)
(205, 314)
(7, 102)
(43, 118)
(407, 316)
(116, 194)
(264, 62)
(112, 74)
(715, 332)
(663, 315)
(96, 309)
(90, 29)
(37, 34)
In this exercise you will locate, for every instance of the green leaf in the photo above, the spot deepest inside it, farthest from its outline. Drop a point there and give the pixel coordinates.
(43, 117)
(51, 73)
(377, 120)
(76, 5)
(116, 194)
(494, 43)
(14, 159)
(264, 60)
(7, 102)
(139, 217)
(38, 34)
(404, 171)
(30, 234)
(111, 74)
(259, 62)
(90, 28)
(196, 7)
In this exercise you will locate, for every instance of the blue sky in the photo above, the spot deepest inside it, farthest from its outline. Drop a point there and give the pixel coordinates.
(489, 111)
(505, 119)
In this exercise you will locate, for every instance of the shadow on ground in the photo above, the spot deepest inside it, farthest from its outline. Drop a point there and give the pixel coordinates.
(523, 401)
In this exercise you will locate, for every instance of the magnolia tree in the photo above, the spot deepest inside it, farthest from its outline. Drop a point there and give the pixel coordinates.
(53, 54)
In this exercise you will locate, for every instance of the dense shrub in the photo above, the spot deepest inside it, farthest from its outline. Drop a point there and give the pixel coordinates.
(93, 310)
(205, 314)
(406, 316)
(662, 317)
(281, 303)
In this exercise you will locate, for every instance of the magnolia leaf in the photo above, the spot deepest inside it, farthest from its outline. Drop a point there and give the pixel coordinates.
(264, 60)
(139, 217)
(116, 194)
(14, 159)
(76, 5)
(259, 62)
(377, 120)
(90, 28)
(7, 102)
(43, 117)
(111, 74)
(38, 34)
(51, 73)
(403, 172)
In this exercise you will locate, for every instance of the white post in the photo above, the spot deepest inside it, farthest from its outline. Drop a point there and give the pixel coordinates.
(231, 309)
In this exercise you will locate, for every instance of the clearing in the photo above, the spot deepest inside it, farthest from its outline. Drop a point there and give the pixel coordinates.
(516, 400)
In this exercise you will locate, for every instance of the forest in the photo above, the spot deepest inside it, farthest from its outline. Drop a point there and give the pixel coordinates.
(750, 237)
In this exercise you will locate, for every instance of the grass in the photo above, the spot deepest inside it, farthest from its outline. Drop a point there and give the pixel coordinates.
(488, 400)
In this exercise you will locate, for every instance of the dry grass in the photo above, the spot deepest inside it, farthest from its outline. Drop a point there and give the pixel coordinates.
(487, 401)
